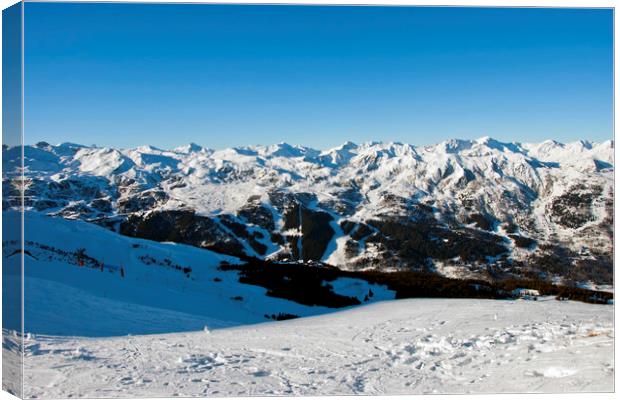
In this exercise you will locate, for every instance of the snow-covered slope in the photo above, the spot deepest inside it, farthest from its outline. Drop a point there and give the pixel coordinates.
(502, 206)
(74, 285)
(396, 347)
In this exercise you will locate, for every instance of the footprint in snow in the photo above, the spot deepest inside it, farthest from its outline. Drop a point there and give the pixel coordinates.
(128, 380)
(260, 373)
(552, 372)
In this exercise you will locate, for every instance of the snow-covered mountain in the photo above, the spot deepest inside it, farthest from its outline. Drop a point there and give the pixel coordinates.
(464, 208)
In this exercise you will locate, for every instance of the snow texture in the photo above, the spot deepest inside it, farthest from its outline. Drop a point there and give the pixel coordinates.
(392, 347)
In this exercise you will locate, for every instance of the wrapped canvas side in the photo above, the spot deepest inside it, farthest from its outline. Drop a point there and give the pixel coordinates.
(12, 197)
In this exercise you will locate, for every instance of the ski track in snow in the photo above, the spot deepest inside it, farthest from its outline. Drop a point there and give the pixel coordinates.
(393, 347)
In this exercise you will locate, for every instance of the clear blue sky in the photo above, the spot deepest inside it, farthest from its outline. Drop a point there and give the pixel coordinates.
(131, 74)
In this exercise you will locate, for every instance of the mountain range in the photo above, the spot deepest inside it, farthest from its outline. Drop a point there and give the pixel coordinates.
(461, 208)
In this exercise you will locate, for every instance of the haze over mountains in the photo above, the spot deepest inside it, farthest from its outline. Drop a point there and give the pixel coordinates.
(481, 208)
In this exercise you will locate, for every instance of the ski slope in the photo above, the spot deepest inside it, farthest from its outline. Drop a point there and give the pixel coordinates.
(64, 298)
(392, 347)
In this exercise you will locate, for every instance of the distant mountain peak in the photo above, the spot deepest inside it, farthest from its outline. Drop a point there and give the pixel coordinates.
(347, 145)
(148, 149)
(189, 148)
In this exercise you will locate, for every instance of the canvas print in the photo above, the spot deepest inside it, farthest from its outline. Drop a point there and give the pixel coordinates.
(206, 200)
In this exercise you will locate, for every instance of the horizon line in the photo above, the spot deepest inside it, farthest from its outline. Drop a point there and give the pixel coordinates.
(478, 140)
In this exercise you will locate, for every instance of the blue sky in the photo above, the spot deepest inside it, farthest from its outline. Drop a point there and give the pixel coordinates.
(131, 74)
(11, 75)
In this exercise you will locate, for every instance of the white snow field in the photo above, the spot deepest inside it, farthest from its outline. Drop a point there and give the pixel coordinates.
(391, 347)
